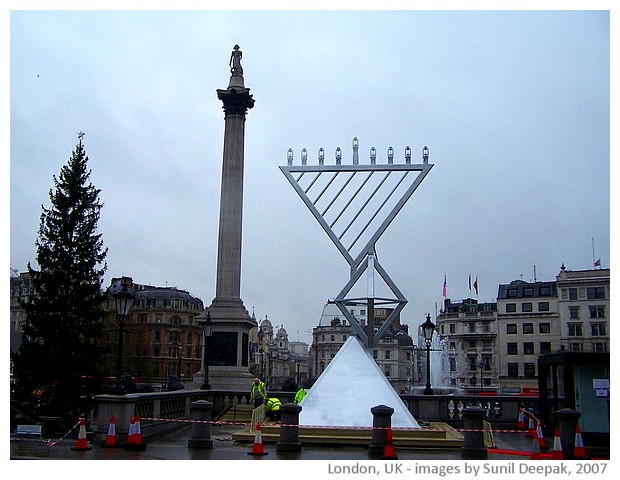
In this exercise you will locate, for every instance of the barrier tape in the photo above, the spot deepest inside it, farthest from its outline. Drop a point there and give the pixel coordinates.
(245, 424)
(50, 443)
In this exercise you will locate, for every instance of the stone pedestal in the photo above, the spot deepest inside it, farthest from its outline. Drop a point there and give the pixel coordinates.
(473, 442)
(201, 428)
(289, 428)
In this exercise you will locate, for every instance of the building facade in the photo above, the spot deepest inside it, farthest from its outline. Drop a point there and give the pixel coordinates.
(162, 337)
(529, 325)
(584, 306)
(467, 344)
(280, 363)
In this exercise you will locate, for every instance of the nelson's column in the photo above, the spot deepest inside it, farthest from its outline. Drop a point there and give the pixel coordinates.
(228, 351)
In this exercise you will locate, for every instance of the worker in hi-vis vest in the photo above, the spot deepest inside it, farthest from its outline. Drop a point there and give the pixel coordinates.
(258, 392)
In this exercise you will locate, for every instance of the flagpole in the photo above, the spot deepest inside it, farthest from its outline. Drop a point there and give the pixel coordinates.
(593, 255)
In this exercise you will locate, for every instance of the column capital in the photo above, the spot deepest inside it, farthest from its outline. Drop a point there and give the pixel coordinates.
(236, 101)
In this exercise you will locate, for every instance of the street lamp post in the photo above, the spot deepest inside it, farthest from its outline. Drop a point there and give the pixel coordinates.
(207, 331)
(123, 300)
(428, 328)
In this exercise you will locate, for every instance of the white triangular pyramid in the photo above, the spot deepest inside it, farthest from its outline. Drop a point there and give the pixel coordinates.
(349, 387)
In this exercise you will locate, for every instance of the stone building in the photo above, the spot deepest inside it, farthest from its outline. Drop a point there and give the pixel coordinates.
(467, 346)
(162, 337)
(280, 363)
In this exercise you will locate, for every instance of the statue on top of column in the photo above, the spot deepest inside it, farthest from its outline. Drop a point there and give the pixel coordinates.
(235, 62)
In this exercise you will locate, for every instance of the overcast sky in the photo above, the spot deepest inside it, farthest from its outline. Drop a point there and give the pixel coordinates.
(513, 105)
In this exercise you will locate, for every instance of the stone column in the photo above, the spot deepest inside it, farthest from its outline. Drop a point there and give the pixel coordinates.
(201, 428)
(232, 321)
(289, 428)
(473, 443)
(381, 421)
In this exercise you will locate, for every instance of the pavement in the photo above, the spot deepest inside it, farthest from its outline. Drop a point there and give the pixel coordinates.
(173, 446)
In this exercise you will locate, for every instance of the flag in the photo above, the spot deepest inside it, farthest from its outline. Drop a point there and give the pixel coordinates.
(469, 281)
(445, 286)
(597, 263)
(476, 284)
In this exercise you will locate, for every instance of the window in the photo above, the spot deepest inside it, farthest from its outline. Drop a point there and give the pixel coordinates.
(597, 311)
(544, 327)
(599, 346)
(388, 371)
(529, 370)
(473, 364)
(576, 347)
(598, 329)
(513, 292)
(344, 338)
(526, 307)
(387, 354)
(528, 328)
(332, 338)
(472, 344)
(513, 370)
(156, 351)
(528, 292)
(572, 294)
(472, 327)
(374, 354)
(544, 291)
(575, 330)
(511, 328)
(453, 328)
(159, 303)
(452, 364)
(511, 307)
(545, 347)
(574, 311)
(511, 348)
(157, 335)
(175, 336)
(596, 293)
(159, 318)
(543, 306)
(528, 348)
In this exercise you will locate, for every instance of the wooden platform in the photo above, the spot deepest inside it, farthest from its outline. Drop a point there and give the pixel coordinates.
(432, 435)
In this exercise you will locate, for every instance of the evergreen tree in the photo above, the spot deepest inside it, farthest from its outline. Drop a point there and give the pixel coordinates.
(64, 311)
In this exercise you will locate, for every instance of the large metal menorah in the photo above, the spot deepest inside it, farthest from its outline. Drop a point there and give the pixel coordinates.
(355, 204)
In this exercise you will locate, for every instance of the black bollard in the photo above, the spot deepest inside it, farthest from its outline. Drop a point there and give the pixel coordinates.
(381, 421)
(473, 442)
(200, 411)
(566, 420)
(289, 428)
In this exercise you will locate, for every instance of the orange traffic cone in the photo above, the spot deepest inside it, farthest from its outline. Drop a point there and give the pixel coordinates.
(580, 451)
(388, 451)
(531, 430)
(257, 448)
(535, 455)
(110, 439)
(541, 438)
(131, 433)
(81, 443)
(134, 439)
(557, 454)
(521, 420)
